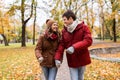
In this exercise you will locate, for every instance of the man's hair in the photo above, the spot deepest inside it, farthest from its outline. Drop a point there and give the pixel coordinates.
(68, 14)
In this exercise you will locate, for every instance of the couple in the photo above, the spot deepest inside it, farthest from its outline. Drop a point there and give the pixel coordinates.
(75, 38)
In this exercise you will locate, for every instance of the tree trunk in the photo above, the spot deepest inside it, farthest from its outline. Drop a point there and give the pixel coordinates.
(34, 24)
(5, 40)
(100, 34)
(108, 32)
(87, 15)
(23, 35)
(92, 16)
(114, 31)
(114, 21)
(103, 29)
(34, 34)
(102, 17)
(24, 22)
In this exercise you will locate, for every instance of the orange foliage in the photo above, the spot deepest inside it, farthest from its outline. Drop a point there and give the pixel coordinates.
(102, 70)
(19, 64)
(5, 25)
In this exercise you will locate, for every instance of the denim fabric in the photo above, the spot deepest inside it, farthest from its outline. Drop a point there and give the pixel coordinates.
(50, 73)
(77, 73)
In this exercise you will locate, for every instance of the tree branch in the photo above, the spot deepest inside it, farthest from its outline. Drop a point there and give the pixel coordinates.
(81, 6)
(31, 12)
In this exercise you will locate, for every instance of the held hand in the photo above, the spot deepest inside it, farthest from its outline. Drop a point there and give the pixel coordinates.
(70, 50)
(40, 59)
(58, 63)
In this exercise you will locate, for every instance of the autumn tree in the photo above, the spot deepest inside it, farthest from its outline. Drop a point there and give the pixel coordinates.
(101, 4)
(112, 10)
(24, 21)
(62, 5)
(34, 23)
(2, 30)
(4, 26)
(115, 4)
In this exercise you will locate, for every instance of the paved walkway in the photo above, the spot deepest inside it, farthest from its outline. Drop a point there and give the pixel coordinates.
(105, 59)
(107, 44)
(63, 71)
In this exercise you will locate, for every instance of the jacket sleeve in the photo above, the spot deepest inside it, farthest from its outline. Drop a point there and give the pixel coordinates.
(87, 39)
(60, 50)
(38, 49)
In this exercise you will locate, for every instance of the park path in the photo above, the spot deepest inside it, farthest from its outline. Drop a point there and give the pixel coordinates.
(63, 71)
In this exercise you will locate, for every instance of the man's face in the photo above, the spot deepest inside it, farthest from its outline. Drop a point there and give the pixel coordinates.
(67, 21)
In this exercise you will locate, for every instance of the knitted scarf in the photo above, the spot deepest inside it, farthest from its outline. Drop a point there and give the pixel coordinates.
(71, 28)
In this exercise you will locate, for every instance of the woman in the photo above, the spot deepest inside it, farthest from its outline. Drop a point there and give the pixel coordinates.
(46, 48)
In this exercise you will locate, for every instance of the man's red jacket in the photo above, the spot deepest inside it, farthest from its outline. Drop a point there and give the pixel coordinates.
(80, 39)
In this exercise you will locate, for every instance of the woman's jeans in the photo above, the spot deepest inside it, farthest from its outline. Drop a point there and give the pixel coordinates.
(50, 72)
(77, 73)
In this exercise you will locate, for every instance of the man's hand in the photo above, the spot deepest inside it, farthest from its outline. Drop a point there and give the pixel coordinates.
(70, 50)
(58, 63)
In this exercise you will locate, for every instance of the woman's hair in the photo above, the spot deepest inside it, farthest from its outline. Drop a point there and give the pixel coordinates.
(47, 20)
(68, 14)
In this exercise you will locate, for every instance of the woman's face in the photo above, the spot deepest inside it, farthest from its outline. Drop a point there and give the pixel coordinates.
(54, 27)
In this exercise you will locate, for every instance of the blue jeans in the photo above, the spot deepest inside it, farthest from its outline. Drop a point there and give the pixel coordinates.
(50, 72)
(77, 73)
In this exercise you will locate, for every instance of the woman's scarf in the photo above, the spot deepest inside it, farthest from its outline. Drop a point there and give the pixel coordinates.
(51, 35)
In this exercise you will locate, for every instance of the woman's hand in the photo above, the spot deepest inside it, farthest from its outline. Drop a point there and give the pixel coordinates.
(40, 59)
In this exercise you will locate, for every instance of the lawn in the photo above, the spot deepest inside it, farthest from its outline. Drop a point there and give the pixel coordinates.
(102, 70)
(18, 63)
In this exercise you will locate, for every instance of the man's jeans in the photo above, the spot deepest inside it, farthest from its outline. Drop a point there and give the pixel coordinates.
(77, 73)
(50, 73)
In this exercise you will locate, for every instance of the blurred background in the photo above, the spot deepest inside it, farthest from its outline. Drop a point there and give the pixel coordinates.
(23, 21)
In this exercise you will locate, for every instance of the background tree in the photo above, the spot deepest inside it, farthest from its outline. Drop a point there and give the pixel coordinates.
(34, 24)
(115, 4)
(104, 12)
(2, 25)
(101, 3)
(5, 28)
(62, 5)
(24, 21)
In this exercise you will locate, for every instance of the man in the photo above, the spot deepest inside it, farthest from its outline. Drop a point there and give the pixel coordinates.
(76, 38)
